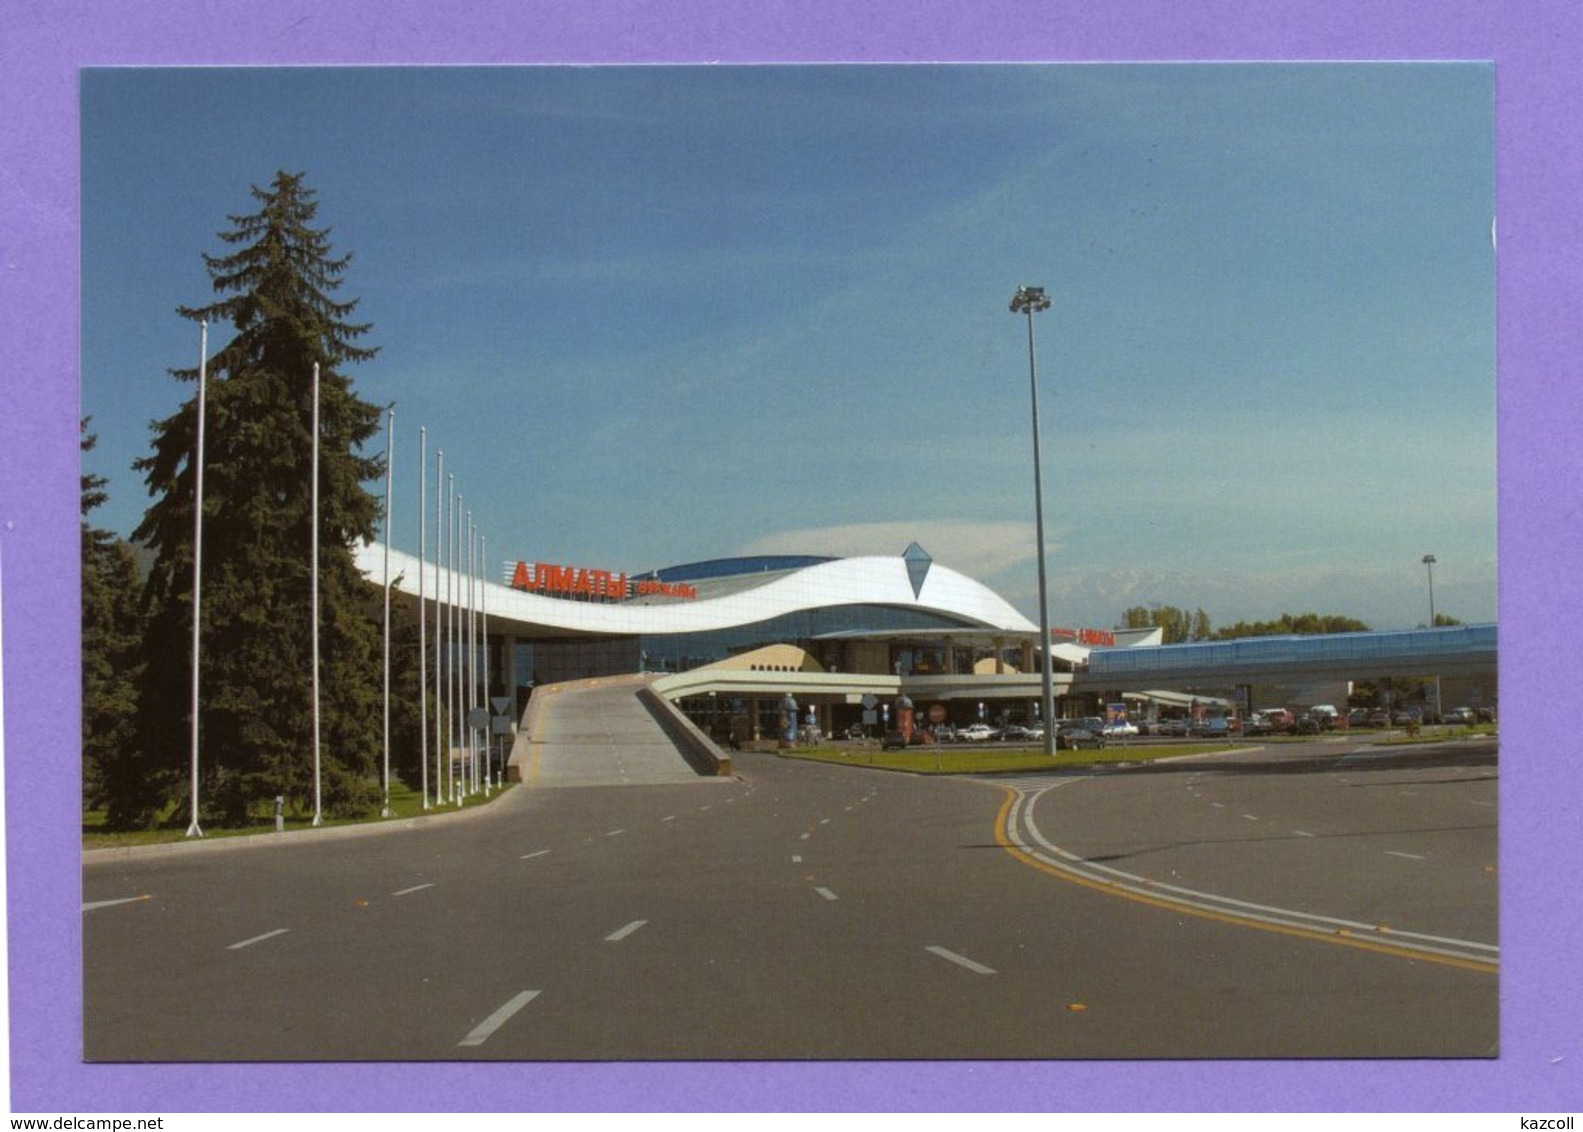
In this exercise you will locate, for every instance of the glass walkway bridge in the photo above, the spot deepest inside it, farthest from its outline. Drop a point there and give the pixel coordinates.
(1449, 651)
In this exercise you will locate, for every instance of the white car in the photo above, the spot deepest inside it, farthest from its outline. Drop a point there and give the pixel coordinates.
(1120, 729)
(976, 733)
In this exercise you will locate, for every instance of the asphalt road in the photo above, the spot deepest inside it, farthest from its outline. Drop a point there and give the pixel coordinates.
(1312, 902)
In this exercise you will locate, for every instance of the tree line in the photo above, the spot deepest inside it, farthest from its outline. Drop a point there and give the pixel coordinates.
(276, 289)
(1180, 626)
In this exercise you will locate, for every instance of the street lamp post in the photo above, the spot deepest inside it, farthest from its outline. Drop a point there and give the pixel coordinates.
(1028, 301)
(1429, 564)
(1429, 561)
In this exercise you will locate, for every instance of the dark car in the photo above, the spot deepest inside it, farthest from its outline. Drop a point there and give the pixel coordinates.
(1075, 734)
(895, 740)
(1174, 727)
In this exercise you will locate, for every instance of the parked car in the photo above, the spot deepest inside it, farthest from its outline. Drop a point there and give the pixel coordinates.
(1280, 719)
(1176, 728)
(895, 740)
(1210, 727)
(1464, 715)
(1120, 729)
(976, 733)
(1074, 734)
(1258, 724)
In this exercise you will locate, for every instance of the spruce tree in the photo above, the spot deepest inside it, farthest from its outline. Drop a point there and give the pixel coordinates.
(276, 291)
(111, 639)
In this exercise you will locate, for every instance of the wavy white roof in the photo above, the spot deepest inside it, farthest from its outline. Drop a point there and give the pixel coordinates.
(844, 581)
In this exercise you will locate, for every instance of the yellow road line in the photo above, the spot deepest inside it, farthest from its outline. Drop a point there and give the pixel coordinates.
(1003, 838)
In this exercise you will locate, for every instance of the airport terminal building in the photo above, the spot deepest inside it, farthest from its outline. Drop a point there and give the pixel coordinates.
(842, 634)
(785, 618)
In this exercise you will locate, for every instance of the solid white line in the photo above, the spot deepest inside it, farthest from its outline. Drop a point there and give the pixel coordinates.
(530, 856)
(826, 893)
(621, 933)
(499, 1018)
(960, 960)
(112, 903)
(257, 939)
(414, 888)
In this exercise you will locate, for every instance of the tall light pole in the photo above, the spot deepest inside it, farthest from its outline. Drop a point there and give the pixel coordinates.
(193, 829)
(1429, 564)
(1029, 301)
(1429, 561)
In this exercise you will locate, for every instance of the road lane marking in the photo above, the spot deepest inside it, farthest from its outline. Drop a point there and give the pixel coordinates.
(796, 858)
(1304, 833)
(615, 833)
(112, 903)
(257, 939)
(481, 1032)
(621, 933)
(536, 853)
(805, 836)
(414, 888)
(669, 817)
(960, 960)
(1019, 835)
(1409, 856)
(826, 893)
(1250, 817)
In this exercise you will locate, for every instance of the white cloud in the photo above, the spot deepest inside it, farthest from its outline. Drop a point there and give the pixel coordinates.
(978, 549)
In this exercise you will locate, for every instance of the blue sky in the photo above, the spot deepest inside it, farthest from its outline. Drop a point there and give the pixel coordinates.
(656, 314)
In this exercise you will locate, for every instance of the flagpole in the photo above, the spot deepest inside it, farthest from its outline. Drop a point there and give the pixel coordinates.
(423, 625)
(483, 609)
(390, 471)
(318, 796)
(193, 830)
(450, 638)
(472, 662)
(439, 607)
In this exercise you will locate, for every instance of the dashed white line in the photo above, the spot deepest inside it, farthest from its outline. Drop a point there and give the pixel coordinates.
(1250, 817)
(960, 960)
(257, 939)
(1304, 833)
(615, 833)
(1409, 856)
(414, 888)
(536, 853)
(481, 1032)
(826, 893)
(805, 836)
(796, 858)
(112, 903)
(621, 933)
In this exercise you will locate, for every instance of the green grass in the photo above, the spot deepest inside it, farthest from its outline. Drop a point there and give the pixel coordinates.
(946, 760)
(404, 803)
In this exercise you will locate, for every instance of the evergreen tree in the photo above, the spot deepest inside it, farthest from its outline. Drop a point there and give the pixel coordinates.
(277, 291)
(111, 639)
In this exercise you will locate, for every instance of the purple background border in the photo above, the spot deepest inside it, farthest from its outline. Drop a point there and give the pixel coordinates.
(1535, 45)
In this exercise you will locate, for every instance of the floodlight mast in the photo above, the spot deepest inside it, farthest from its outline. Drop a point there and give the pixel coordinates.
(1028, 301)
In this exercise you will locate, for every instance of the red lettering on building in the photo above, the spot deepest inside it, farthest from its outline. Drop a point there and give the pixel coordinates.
(582, 582)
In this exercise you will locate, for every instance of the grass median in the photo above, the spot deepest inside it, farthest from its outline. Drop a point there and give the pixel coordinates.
(404, 803)
(936, 759)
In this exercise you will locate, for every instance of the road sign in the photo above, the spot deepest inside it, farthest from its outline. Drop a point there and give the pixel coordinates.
(502, 704)
(478, 717)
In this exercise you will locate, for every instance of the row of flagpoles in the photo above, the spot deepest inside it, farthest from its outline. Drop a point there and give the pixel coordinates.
(461, 622)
